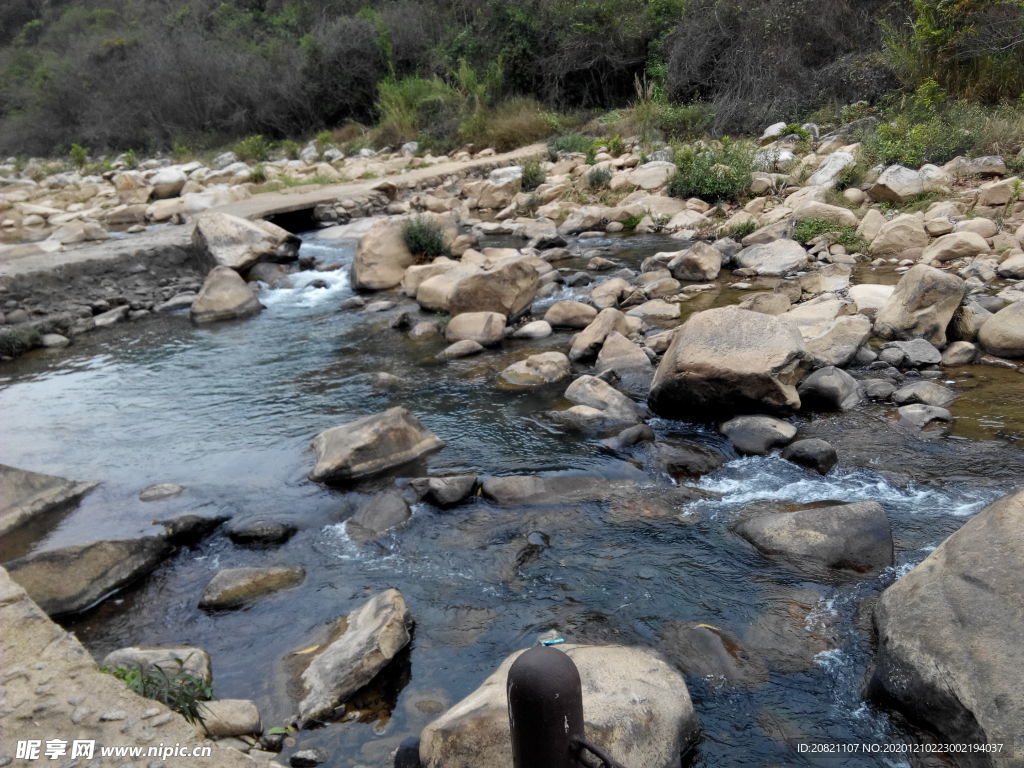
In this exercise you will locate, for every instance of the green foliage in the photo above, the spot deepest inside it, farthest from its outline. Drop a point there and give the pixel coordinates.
(79, 156)
(259, 175)
(598, 178)
(253, 149)
(533, 174)
(512, 123)
(323, 141)
(851, 176)
(18, 339)
(795, 129)
(411, 107)
(844, 235)
(739, 231)
(178, 689)
(714, 174)
(616, 146)
(290, 148)
(630, 222)
(971, 49)
(131, 159)
(424, 238)
(180, 152)
(572, 143)
(653, 117)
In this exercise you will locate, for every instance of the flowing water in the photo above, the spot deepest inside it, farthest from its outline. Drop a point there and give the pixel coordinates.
(228, 411)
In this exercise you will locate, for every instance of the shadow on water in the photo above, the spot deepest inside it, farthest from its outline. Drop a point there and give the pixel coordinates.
(229, 413)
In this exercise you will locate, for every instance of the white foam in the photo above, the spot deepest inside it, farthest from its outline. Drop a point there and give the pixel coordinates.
(303, 294)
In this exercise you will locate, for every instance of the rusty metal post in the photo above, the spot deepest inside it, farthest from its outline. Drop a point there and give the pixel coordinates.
(545, 709)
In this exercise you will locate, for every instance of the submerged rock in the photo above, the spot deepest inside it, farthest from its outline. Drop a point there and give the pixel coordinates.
(949, 633)
(757, 435)
(26, 495)
(371, 445)
(445, 491)
(160, 491)
(378, 515)
(636, 707)
(71, 579)
(260, 531)
(852, 537)
(704, 650)
(813, 453)
(371, 636)
(234, 587)
(535, 371)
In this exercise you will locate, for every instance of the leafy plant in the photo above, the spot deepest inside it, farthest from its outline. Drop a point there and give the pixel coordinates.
(630, 222)
(844, 235)
(178, 689)
(424, 238)
(290, 149)
(253, 149)
(616, 146)
(739, 231)
(572, 143)
(131, 159)
(533, 174)
(714, 174)
(323, 141)
(599, 178)
(18, 339)
(259, 175)
(180, 152)
(79, 155)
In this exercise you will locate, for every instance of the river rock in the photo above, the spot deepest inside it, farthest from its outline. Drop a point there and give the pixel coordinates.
(234, 587)
(830, 389)
(238, 243)
(382, 255)
(916, 353)
(897, 184)
(836, 342)
(371, 445)
(949, 652)
(194, 661)
(813, 453)
(901, 234)
(373, 634)
(927, 392)
(1003, 333)
(956, 245)
(224, 296)
(707, 651)
(730, 360)
(445, 492)
(595, 393)
(920, 416)
(309, 758)
(535, 371)
(636, 707)
(485, 328)
(779, 257)
(609, 293)
(852, 537)
(921, 306)
(167, 182)
(71, 579)
(959, 353)
(161, 491)
(259, 530)
(463, 348)
(538, 329)
(685, 459)
(26, 495)
(702, 262)
(588, 342)
(224, 718)
(507, 286)
(380, 513)
(623, 356)
(570, 314)
(757, 435)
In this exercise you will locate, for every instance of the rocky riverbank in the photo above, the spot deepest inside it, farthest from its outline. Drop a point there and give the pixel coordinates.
(766, 342)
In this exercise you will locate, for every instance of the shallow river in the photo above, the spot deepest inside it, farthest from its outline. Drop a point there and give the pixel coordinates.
(229, 412)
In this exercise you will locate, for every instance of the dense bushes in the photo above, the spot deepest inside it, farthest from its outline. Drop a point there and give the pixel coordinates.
(714, 173)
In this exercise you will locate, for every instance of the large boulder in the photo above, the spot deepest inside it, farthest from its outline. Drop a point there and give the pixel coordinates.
(757, 435)
(71, 579)
(379, 514)
(570, 314)
(702, 262)
(837, 342)
(167, 182)
(779, 257)
(1003, 333)
(371, 445)
(897, 184)
(239, 243)
(900, 234)
(382, 255)
(921, 306)
(950, 655)
(635, 706)
(372, 635)
(592, 392)
(224, 296)
(851, 537)
(730, 360)
(507, 286)
(27, 495)
(830, 389)
(588, 342)
(956, 245)
(234, 587)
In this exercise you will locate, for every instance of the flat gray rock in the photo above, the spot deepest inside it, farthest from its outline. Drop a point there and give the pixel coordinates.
(26, 495)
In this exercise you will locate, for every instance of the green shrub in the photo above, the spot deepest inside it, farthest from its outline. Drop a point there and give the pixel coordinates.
(572, 143)
(131, 159)
(178, 689)
(616, 146)
(259, 175)
(598, 178)
(844, 235)
(323, 141)
(290, 149)
(631, 222)
(714, 174)
(180, 152)
(253, 149)
(18, 339)
(533, 174)
(739, 231)
(424, 238)
(511, 124)
(79, 156)
(851, 176)
(425, 109)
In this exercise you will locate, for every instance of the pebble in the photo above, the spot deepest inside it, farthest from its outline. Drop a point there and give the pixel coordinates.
(116, 714)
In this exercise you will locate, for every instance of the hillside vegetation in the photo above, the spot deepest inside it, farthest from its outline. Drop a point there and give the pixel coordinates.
(152, 74)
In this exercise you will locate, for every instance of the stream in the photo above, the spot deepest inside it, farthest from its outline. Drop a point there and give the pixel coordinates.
(229, 412)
